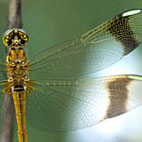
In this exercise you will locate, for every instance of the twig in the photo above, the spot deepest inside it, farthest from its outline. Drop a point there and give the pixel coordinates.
(7, 123)
(15, 14)
(8, 110)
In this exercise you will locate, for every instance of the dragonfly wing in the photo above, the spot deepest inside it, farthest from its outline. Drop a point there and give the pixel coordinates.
(73, 104)
(92, 51)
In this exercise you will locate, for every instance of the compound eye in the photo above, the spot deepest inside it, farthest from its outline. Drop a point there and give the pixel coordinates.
(7, 37)
(24, 37)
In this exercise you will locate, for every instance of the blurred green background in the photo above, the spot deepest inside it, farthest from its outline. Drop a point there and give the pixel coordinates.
(49, 22)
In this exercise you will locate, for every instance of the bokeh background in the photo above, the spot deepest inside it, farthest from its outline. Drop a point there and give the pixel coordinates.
(49, 22)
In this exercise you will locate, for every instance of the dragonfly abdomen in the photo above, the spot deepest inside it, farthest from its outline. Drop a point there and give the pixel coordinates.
(19, 98)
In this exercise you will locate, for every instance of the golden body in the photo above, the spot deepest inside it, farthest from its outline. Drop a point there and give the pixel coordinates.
(18, 84)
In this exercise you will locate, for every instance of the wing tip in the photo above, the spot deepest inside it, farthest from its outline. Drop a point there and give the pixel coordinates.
(131, 12)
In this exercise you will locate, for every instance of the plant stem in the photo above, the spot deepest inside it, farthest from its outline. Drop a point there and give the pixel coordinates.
(14, 19)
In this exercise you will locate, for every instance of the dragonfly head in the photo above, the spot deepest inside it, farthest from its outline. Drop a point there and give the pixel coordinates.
(15, 38)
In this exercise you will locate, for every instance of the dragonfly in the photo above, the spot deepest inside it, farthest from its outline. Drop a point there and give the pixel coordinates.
(51, 91)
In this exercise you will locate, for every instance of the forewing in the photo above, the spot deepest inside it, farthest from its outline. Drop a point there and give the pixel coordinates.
(92, 51)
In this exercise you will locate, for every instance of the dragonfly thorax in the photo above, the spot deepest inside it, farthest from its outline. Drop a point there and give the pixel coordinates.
(16, 55)
(17, 76)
